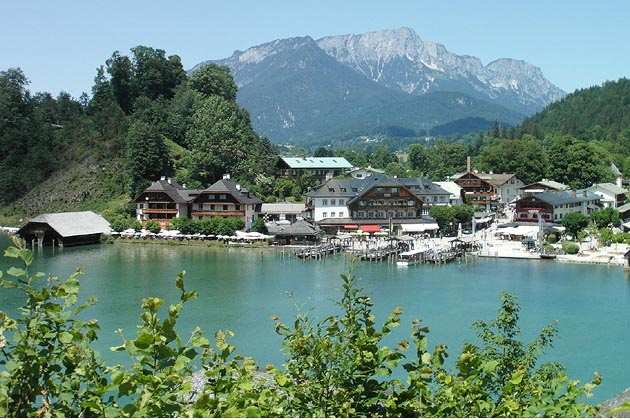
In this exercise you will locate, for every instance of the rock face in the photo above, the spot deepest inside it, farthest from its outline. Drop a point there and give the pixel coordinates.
(400, 59)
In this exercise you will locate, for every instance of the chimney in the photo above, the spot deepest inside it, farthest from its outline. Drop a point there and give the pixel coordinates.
(329, 176)
(238, 187)
(467, 163)
(226, 176)
(162, 178)
(168, 179)
(573, 193)
(584, 193)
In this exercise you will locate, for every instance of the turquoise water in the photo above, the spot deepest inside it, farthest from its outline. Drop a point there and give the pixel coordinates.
(240, 289)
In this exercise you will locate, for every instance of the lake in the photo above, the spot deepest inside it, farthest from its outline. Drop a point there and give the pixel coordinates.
(240, 289)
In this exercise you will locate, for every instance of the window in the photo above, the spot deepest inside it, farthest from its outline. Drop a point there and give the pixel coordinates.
(340, 214)
(237, 207)
(343, 189)
(395, 190)
(211, 197)
(333, 202)
(331, 190)
(222, 197)
(332, 214)
(225, 207)
(325, 214)
(325, 202)
(379, 191)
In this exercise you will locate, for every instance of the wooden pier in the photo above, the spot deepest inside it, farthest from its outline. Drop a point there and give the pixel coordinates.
(318, 251)
(387, 253)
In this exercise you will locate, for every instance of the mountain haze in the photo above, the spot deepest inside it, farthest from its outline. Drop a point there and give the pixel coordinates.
(303, 91)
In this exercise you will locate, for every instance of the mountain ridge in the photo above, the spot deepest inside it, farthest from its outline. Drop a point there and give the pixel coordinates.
(299, 89)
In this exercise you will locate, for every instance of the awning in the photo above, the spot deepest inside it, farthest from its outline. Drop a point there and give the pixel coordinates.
(350, 226)
(370, 228)
(419, 227)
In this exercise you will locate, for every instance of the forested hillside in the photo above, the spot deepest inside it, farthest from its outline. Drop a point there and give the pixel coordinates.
(145, 118)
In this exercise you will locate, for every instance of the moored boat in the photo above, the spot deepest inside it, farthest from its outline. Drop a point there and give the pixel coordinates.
(410, 257)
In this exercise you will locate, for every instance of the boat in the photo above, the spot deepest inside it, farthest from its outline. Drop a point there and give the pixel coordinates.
(410, 257)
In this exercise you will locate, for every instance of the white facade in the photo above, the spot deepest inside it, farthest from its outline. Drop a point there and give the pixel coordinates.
(510, 190)
(330, 208)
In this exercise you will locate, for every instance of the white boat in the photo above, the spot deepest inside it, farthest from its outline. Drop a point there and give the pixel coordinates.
(410, 257)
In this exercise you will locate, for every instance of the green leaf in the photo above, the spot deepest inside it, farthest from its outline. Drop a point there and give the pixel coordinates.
(65, 337)
(16, 272)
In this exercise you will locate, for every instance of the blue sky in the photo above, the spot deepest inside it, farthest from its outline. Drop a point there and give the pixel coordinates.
(59, 44)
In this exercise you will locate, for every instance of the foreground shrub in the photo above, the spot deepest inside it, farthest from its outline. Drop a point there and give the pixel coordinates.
(336, 367)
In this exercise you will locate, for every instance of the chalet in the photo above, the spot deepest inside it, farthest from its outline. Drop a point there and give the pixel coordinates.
(65, 229)
(611, 195)
(320, 168)
(488, 189)
(374, 204)
(164, 200)
(226, 198)
(552, 206)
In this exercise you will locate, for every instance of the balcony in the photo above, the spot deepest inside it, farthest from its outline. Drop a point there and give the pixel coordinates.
(222, 213)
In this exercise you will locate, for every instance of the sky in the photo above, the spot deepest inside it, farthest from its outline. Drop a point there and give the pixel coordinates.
(59, 44)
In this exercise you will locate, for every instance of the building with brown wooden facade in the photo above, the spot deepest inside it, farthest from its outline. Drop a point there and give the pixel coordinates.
(226, 198)
(163, 200)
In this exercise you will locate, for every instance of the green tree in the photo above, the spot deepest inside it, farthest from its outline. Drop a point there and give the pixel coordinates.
(606, 217)
(418, 158)
(443, 215)
(381, 157)
(259, 226)
(213, 79)
(147, 154)
(574, 223)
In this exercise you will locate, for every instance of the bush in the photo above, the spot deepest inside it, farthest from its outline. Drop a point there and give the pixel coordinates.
(570, 247)
(153, 226)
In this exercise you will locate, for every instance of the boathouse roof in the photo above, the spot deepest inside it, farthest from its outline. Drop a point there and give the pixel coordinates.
(71, 224)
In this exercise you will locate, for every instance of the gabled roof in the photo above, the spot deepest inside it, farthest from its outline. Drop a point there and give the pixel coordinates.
(558, 198)
(495, 179)
(608, 187)
(228, 186)
(73, 223)
(499, 179)
(316, 163)
(171, 188)
(283, 208)
(344, 187)
(298, 228)
(423, 186)
(552, 185)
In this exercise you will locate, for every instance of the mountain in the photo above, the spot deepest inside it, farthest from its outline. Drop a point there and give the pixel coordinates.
(399, 59)
(303, 91)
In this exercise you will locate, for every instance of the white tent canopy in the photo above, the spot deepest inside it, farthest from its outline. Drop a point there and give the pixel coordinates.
(419, 227)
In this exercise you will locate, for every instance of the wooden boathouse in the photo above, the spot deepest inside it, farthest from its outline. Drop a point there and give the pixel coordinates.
(65, 229)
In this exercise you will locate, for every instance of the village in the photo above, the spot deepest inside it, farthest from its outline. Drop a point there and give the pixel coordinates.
(368, 213)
